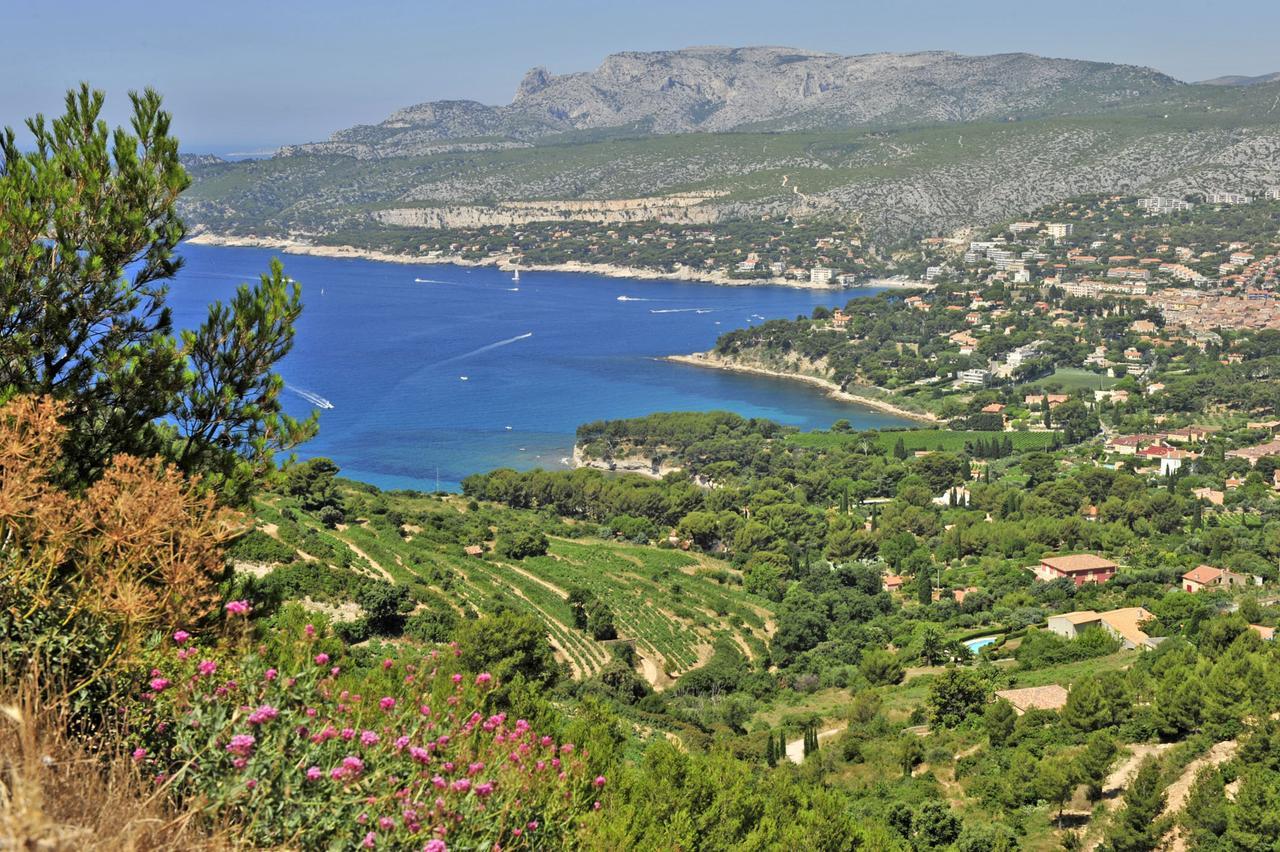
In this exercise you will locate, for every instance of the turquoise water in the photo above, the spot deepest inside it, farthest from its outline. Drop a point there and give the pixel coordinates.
(976, 645)
(447, 371)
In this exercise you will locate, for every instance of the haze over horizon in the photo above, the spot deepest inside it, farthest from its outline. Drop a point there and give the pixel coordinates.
(241, 76)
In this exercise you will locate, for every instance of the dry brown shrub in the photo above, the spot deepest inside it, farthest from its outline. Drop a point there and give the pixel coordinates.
(139, 549)
(142, 547)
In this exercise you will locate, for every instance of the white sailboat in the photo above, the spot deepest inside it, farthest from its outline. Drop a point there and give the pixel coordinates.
(516, 277)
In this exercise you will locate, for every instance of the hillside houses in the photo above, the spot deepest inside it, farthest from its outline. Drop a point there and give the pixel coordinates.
(1125, 624)
(1207, 577)
(1079, 568)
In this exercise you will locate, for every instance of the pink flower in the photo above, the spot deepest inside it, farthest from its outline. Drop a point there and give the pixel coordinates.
(595, 806)
(314, 773)
(271, 674)
(387, 663)
(421, 755)
(159, 684)
(310, 630)
(435, 846)
(265, 713)
(369, 840)
(353, 765)
(387, 703)
(241, 744)
(369, 738)
(386, 823)
(475, 768)
(599, 782)
(180, 637)
(322, 659)
(484, 789)
(402, 743)
(207, 667)
(139, 754)
(240, 763)
(483, 678)
(462, 785)
(457, 678)
(183, 653)
(250, 784)
(237, 607)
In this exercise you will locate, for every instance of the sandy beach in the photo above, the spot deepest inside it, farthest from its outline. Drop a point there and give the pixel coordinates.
(294, 246)
(705, 359)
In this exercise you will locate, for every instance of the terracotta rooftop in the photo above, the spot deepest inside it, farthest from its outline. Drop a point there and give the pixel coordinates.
(1083, 616)
(1125, 622)
(1050, 697)
(1203, 574)
(1077, 562)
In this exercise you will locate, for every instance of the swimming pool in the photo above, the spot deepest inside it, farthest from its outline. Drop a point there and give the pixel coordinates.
(976, 645)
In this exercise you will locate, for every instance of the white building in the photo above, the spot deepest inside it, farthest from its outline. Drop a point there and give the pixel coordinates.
(1228, 198)
(821, 275)
(1161, 204)
(975, 376)
(1059, 230)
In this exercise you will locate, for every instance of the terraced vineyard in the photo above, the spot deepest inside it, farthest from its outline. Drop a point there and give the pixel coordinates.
(670, 605)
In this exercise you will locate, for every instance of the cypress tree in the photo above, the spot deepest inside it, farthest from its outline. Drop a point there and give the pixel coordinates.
(770, 752)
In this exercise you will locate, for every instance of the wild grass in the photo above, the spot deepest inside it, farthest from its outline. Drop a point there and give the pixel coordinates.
(59, 791)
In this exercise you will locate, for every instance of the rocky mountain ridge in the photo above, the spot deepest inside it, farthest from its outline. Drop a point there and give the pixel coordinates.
(718, 89)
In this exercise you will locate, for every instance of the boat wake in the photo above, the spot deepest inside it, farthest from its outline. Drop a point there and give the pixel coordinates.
(313, 398)
(679, 310)
(633, 299)
(432, 281)
(487, 348)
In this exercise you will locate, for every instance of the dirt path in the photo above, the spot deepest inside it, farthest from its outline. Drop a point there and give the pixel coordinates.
(655, 671)
(549, 586)
(373, 563)
(795, 748)
(1118, 781)
(1177, 792)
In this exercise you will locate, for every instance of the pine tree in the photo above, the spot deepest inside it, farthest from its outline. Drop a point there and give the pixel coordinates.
(1086, 708)
(1092, 763)
(1205, 814)
(1135, 828)
(1253, 819)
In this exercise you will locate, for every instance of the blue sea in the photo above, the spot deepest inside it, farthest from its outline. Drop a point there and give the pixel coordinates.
(437, 372)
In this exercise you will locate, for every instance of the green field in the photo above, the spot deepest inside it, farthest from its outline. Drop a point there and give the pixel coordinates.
(1074, 379)
(919, 439)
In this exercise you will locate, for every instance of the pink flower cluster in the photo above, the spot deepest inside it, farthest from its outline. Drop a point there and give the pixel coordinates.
(408, 768)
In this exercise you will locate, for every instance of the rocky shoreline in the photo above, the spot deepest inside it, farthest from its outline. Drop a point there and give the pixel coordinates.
(625, 464)
(504, 262)
(712, 361)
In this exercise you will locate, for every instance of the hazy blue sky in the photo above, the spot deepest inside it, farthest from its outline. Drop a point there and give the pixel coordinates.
(248, 74)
